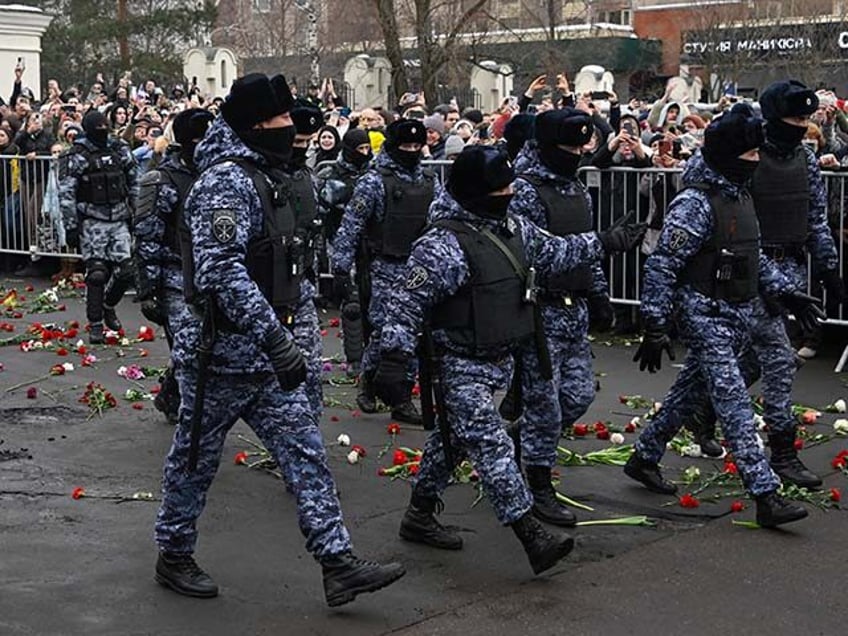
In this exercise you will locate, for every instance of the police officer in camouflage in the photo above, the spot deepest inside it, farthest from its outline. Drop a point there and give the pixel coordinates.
(468, 283)
(157, 225)
(242, 228)
(708, 270)
(388, 211)
(307, 332)
(97, 182)
(335, 183)
(548, 193)
(791, 203)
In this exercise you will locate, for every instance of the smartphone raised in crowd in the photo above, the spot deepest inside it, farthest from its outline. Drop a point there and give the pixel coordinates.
(665, 147)
(599, 95)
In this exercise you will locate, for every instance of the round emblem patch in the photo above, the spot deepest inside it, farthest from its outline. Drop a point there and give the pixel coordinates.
(417, 276)
(224, 225)
(677, 239)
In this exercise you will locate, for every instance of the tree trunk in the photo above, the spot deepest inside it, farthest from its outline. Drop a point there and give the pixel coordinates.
(123, 41)
(388, 25)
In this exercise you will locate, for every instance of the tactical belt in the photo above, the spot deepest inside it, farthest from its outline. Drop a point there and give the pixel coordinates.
(784, 252)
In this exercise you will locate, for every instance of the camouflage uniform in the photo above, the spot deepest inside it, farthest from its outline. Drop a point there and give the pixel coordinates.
(715, 332)
(224, 212)
(438, 269)
(550, 405)
(102, 228)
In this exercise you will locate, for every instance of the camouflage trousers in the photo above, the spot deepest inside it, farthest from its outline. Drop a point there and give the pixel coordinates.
(714, 344)
(108, 241)
(307, 337)
(477, 433)
(550, 405)
(284, 423)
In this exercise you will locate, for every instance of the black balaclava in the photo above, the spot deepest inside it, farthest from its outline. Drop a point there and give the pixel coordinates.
(255, 98)
(350, 142)
(190, 125)
(563, 127)
(477, 172)
(96, 128)
(405, 131)
(787, 98)
(729, 136)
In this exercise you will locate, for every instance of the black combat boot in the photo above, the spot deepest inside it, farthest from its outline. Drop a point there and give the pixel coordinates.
(366, 400)
(111, 318)
(546, 506)
(773, 510)
(787, 465)
(95, 333)
(649, 474)
(180, 573)
(702, 423)
(543, 548)
(420, 525)
(345, 576)
(406, 412)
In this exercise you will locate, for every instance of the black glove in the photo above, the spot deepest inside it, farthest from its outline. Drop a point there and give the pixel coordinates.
(655, 340)
(72, 238)
(287, 360)
(805, 309)
(601, 313)
(152, 309)
(390, 381)
(623, 238)
(342, 287)
(835, 288)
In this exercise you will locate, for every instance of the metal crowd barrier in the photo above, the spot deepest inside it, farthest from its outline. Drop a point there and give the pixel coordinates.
(30, 218)
(646, 192)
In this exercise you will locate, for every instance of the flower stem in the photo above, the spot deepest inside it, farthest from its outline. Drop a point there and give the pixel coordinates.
(571, 502)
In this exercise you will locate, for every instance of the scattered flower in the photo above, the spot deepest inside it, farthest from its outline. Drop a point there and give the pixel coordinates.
(343, 440)
(691, 474)
(840, 427)
(88, 360)
(835, 494)
(737, 506)
(61, 351)
(399, 458)
(68, 367)
(416, 390)
(32, 393)
(414, 468)
(393, 428)
(356, 413)
(132, 372)
(334, 418)
(839, 406)
(603, 434)
(617, 438)
(730, 468)
(327, 367)
(240, 458)
(688, 501)
(837, 463)
(334, 322)
(599, 426)
(799, 444)
(146, 334)
(78, 492)
(580, 430)
(323, 332)
(356, 448)
(57, 369)
(137, 406)
(352, 457)
(691, 450)
(809, 417)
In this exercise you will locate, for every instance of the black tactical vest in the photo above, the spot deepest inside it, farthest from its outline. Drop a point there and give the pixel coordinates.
(781, 191)
(490, 310)
(181, 180)
(405, 215)
(275, 258)
(728, 265)
(307, 222)
(565, 215)
(103, 183)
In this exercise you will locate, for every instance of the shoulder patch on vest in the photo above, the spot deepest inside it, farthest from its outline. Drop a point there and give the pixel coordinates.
(417, 277)
(224, 225)
(677, 238)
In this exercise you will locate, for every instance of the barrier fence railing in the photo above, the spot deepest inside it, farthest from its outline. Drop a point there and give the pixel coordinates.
(31, 221)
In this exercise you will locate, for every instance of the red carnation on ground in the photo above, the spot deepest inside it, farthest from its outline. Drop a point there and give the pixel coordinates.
(334, 322)
(599, 426)
(334, 418)
(580, 430)
(398, 458)
(414, 468)
(416, 390)
(71, 333)
(731, 468)
(630, 427)
(835, 494)
(146, 334)
(32, 393)
(603, 434)
(240, 458)
(799, 444)
(137, 406)
(838, 463)
(688, 501)
(29, 288)
(359, 450)
(78, 492)
(393, 428)
(61, 351)
(737, 506)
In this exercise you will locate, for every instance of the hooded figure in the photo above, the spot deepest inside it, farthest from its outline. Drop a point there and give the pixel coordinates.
(96, 128)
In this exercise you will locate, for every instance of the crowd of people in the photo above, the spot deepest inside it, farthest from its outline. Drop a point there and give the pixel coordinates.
(487, 275)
